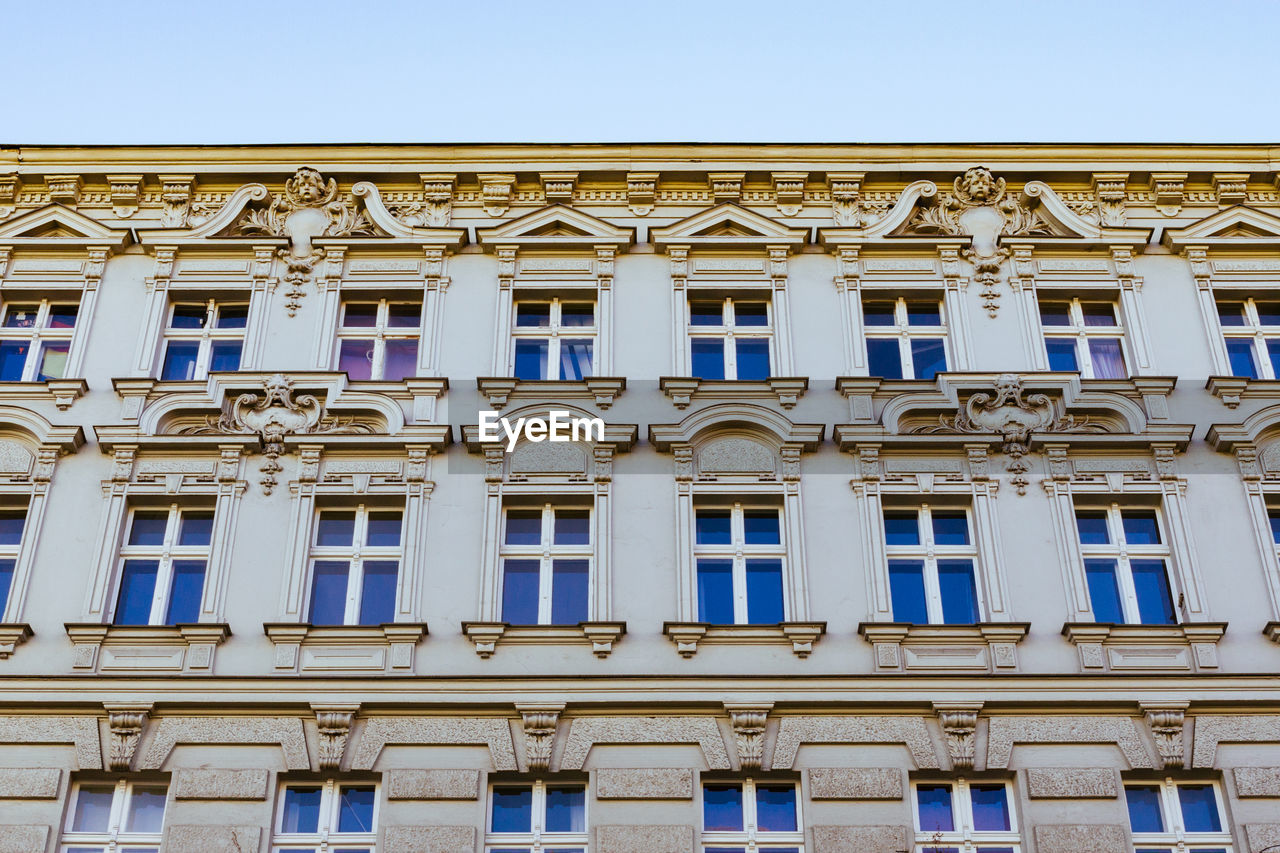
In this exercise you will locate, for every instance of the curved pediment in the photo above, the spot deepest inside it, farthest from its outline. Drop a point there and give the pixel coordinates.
(740, 419)
(728, 225)
(58, 225)
(556, 225)
(1236, 227)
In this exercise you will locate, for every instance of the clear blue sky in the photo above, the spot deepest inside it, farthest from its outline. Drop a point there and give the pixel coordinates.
(188, 71)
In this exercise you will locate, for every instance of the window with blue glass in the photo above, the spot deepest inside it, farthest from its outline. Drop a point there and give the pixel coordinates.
(1126, 565)
(1172, 816)
(35, 340)
(931, 556)
(964, 816)
(906, 338)
(754, 814)
(355, 565)
(202, 338)
(329, 815)
(1084, 337)
(378, 340)
(1251, 335)
(537, 817)
(547, 554)
(13, 520)
(162, 565)
(104, 817)
(740, 558)
(730, 339)
(554, 339)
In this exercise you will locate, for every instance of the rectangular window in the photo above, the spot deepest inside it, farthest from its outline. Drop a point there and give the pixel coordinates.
(1126, 564)
(740, 558)
(355, 566)
(1173, 817)
(202, 338)
(1251, 333)
(35, 340)
(751, 815)
(931, 566)
(12, 522)
(162, 566)
(964, 817)
(546, 565)
(730, 339)
(342, 818)
(554, 339)
(107, 817)
(541, 816)
(379, 340)
(1084, 337)
(906, 338)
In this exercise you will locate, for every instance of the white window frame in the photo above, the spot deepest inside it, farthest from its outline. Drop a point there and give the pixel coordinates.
(1079, 332)
(739, 552)
(554, 332)
(728, 330)
(1252, 330)
(380, 332)
(1121, 551)
(751, 837)
(326, 836)
(13, 552)
(166, 553)
(205, 335)
(38, 334)
(546, 552)
(1175, 837)
(965, 838)
(903, 331)
(354, 555)
(929, 552)
(536, 839)
(115, 838)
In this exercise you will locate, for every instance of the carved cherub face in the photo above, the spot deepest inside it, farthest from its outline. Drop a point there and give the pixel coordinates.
(307, 186)
(978, 183)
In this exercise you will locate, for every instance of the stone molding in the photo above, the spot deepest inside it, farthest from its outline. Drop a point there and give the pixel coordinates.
(688, 635)
(1004, 732)
(585, 732)
(1189, 647)
(82, 732)
(986, 646)
(182, 649)
(494, 732)
(1212, 730)
(345, 648)
(908, 730)
(168, 732)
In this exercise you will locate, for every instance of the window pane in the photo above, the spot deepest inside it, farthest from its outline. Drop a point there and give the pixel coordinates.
(1273, 353)
(524, 527)
(355, 809)
(512, 810)
(1062, 354)
(531, 359)
(1108, 358)
(1274, 515)
(1151, 583)
(1140, 527)
(1231, 313)
(1240, 356)
(901, 528)
(6, 581)
(566, 809)
(1144, 808)
(360, 315)
(195, 528)
(878, 314)
(148, 527)
(12, 522)
(764, 592)
(950, 527)
(384, 530)
(137, 589)
(1104, 590)
(225, 355)
(13, 358)
(329, 592)
(185, 593)
(404, 315)
(192, 316)
(575, 359)
(53, 360)
(301, 810)
(776, 808)
(520, 592)
(753, 358)
(959, 592)
(906, 590)
(232, 316)
(146, 810)
(1199, 808)
(378, 595)
(1055, 313)
(751, 313)
(569, 586)
(929, 357)
(401, 359)
(715, 591)
(1268, 313)
(355, 358)
(1099, 313)
(722, 808)
(990, 808)
(179, 360)
(884, 359)
(20, 316)
(93, 809)
(572, 527)
(1092, 527)
(924, 313)
(578, 314)
(707, 356)
(713, 527)
(934, 804)
(761, 527)
(336, 529)
(533, 315)
(706, 313)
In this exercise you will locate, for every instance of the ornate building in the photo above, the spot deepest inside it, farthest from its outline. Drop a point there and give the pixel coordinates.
(936, 506)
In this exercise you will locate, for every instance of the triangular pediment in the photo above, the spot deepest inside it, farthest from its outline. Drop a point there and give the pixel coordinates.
(726, 225)
(1237, 226)
(56, 224)
(556, 225)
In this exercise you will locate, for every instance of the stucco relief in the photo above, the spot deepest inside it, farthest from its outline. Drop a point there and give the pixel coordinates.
(83, 732)
(908, 730)
(168, 732)
(1213, 730)
(586, 732)
(493, 732)
(1004, 732)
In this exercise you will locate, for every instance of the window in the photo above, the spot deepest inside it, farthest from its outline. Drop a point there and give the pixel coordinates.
(906, 338)
(1084, 337)
(546, 565)
(106, 817)
(964, 817)
(739, 554)
(355, 564)
(1126, 565)
(730, 339)
(554, 340)
(1169, 816)
(203, 338)
(12, 522)
(751, 815)
(931, 558)
(35, 340)
(538, 817)
(163, 562)
(1251, 333)
(379, 340)
(330, 816)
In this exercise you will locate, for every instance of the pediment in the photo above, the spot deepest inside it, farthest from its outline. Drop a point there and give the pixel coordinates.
(556, 225)
(56, 224)
(728, 225)
(1237, 226)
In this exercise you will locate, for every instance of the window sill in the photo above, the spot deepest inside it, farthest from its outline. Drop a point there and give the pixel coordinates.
(1232, 389)
(801, 635)
(983, 647)
(301, 647)
(602, 390)
(1125, 648)
(64, 392)
(142, 648)
(12, 635)
(489, 635)
(787, 390)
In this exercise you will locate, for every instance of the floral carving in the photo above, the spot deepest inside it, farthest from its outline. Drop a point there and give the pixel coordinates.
(959, 725)
(1166, 729)
(748, 734)
(126, 730)
(539, 735)
(334, 727)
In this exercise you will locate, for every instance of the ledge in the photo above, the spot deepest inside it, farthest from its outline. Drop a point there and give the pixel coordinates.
(1272, 631)
(985, 646)
(12, 635)
(63, 392)
(682, 390)
(602, 390)
(1232, 389)
(1105, 646)
(145, 648)
(489, 635)
(801, 635)
(301, 647)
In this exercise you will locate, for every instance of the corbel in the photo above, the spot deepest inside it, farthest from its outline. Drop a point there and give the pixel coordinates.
(788, 191)
(979, 456)
(557, 187)
(1168, 189)
(10, 187)
(496, 192)
(1165, 721)
(333, 725)
(437, 197)
(749, 722)
(126, 722)
(683, 454)
(846, 189)
(959, 721)
(64, 189)
(176, 192)
(229, 456)
(603, 459)
(1109, 188)
(539, 725)
(642, 192)
(726, 186)
(1247, 460)
(1230, 187)
(126, 194)
(122, 464)
(1166, 461)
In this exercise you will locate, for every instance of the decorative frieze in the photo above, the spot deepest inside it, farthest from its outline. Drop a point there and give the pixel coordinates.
(64, 189)
(726, 186)
(557, 187)
(641, 192)
(856, 783)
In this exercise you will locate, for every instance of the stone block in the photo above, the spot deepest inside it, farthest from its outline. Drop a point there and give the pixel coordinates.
(431, 839)
(1004, 732)
(1260, 836)
(433, 784)
(644, 839)
(646, 783)
(217, 784)
(1257, 781)
(212, 838)
(1213, 730)
(909, 730)
(861, 839)
(17, 783)
(23, 839)
(855, 783)
(1082, 838)
(584, 732)
(1072, 783)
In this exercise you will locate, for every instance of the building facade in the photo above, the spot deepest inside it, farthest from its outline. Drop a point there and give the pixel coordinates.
(935, 504)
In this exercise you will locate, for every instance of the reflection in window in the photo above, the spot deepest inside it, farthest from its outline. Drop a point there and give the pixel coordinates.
(338, 817)
(554, 339)
(162, 566)
(931, 566)
(379, 340)
(752, 814)
(1084, 337)
(541, 816)
(355, 565)
(906, 338)
(730, 339)
(202, 338)
(1126, 565)
(1170, 816)
(546, 565)
(1251, 334)
(968, 816)
(739, 555)
(35, 340)
(121, 816)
